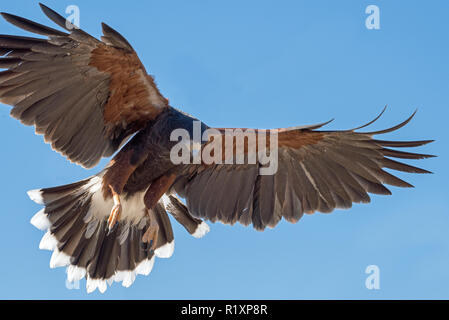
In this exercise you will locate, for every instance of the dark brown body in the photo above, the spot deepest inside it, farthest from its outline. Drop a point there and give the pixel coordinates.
(146, 157)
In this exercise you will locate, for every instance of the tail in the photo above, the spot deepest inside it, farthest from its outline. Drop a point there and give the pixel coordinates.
(74, 219)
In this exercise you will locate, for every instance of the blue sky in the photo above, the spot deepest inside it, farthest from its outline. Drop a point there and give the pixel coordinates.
(265, 64)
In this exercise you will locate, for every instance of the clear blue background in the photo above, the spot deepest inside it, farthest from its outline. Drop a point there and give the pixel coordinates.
(265, 64)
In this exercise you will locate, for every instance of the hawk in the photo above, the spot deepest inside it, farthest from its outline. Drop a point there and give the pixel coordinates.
(93, 98)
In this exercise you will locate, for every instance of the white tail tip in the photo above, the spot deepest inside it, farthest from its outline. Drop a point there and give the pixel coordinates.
(201, 230)
(36, 196)
(166, 251)
(40, 220)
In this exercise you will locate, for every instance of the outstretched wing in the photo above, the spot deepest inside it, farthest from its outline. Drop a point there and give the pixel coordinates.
(317, 171)
(84, 95)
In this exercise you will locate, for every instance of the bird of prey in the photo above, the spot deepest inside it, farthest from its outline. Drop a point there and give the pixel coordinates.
(90, 97)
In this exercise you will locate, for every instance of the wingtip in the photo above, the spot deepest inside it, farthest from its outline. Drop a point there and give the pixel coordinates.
(7, 16)
(371, 122)
(325, 123)
(413, 114)
(116, 38)
(54, 16)
(47, 10)
(105, 27)
(312, 127)
(394, 128)
(43, 6)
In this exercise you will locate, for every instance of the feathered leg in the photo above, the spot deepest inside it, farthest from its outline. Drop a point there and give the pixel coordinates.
(151, 198)
(196, 227)
(117, 174)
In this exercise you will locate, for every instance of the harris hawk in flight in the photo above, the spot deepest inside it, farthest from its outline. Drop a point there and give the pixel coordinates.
(93, 98)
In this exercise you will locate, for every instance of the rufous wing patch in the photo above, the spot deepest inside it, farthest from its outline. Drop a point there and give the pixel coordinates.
(134, 97)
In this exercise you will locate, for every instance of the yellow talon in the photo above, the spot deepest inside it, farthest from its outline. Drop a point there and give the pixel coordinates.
(114, 216)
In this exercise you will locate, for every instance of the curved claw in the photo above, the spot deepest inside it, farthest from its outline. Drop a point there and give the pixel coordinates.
(116, 211)
(114, 216)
